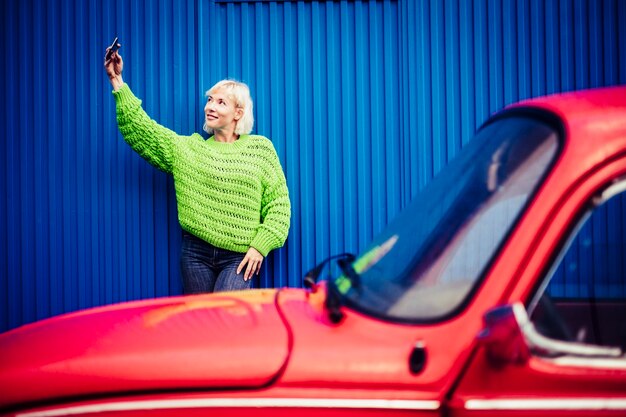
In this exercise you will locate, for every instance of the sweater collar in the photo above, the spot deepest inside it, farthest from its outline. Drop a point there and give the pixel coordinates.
(229, 146)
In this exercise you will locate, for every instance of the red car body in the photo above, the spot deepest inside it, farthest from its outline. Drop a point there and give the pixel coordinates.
(279, 351)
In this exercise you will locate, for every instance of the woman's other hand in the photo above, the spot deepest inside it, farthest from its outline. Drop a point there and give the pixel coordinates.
(113, 65)
(254, 259)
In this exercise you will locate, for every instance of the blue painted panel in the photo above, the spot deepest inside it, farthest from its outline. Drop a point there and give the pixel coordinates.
(364, 100)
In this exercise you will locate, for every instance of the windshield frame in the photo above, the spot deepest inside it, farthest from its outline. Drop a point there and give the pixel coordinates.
(554, 122)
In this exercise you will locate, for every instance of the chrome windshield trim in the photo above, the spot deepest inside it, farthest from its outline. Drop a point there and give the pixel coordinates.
(544, 346)
(618, 187)
(146, 405)
(597, 363)
(548, 404)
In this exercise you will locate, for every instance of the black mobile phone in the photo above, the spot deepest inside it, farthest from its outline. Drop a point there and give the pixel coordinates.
(112, 48)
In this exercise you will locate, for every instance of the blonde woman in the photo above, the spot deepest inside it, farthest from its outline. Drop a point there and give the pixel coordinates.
(231, 193)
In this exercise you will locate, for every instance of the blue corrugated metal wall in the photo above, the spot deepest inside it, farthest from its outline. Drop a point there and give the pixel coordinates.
(324, 79)
(364, 100)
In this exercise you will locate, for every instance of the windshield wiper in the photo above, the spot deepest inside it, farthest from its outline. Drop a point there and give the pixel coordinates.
(344, 260)
(333, 295)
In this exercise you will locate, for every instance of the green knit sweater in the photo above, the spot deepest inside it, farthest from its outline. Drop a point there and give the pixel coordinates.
(231, 195)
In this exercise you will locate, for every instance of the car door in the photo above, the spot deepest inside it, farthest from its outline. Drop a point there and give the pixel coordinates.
(564, 353)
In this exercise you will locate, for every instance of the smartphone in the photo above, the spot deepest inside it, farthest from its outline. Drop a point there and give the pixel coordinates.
(112, 48)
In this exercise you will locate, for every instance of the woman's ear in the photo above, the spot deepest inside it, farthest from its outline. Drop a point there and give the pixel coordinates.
(238, 113)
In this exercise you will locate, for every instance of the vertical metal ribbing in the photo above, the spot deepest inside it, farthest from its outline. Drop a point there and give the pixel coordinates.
(364, 101)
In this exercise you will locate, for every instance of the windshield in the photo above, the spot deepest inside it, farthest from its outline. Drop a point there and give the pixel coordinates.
(428, 260)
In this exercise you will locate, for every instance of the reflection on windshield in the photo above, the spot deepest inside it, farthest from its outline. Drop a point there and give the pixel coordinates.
(426, 263)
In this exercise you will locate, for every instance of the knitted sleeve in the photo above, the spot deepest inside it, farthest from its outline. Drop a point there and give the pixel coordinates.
(149, 139)
(275, 210)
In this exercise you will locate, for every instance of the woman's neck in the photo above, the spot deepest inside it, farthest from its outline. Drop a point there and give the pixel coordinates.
(227, 136)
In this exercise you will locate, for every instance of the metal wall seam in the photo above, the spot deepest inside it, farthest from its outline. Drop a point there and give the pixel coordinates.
(82, 149)
(10, 280)
(350, 97)
(277, 101)
(302, 57)
(55, 164)
(566, 40)
(615, 239)
(595, 45)
(392, 171)
(495, 67)
(467, 74)
(621, 43)
(610, 14)
(147, 182)
(25, 236)
(167, 115)
(510, 39)
(523, 58)
(338, 128)
(481, 62)
(425, 106)
(552, 50)
(104, 157)
(538, 48)
(404, 128)
(598, 261)
(365, 96)
(439, 93)
(4, 185)
(452, 79)
(41, 206)
(377, 108)
(292, 137)
(317, 153)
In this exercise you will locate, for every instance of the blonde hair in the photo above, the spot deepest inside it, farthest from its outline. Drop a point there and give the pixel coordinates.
(240, 94)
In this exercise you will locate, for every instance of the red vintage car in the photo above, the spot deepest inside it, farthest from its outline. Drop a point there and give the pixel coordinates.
(500, 291)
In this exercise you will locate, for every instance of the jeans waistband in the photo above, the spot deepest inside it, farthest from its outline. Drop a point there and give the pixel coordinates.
(207, 245)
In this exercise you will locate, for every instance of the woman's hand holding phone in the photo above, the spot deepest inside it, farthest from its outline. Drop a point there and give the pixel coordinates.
(114, 65)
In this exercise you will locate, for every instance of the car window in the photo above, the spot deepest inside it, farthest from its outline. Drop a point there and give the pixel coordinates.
(585, 295)
(426, 263)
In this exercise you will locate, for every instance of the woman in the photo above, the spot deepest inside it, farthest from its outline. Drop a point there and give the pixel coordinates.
(231, 193)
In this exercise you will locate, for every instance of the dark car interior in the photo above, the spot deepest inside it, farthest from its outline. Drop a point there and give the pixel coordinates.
(585, 298)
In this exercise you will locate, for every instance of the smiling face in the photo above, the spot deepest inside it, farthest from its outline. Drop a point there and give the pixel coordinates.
(221, 112)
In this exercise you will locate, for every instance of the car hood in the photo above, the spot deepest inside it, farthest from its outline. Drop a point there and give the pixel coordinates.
(226, 340)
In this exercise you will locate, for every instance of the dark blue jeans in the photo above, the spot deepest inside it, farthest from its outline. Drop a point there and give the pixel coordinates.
(206, 268)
